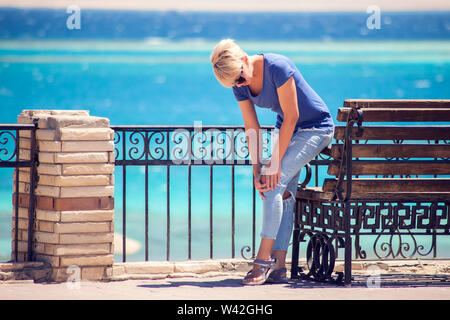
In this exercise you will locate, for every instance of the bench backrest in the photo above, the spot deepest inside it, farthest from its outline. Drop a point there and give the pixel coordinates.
(394, 148)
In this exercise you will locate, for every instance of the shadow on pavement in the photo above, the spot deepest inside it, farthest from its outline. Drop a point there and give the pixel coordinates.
(231, 282)
(363, 281)
(384, 281)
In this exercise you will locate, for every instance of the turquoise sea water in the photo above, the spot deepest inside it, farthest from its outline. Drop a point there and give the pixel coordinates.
(170, 82)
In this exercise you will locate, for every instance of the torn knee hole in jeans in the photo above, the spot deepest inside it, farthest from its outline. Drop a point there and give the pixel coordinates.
(289, 195)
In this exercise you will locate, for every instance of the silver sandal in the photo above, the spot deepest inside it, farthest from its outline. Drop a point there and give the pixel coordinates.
(276, 276)
(266, 267)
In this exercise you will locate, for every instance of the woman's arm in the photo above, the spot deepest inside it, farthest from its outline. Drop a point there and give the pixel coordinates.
(287, 95)
(252, 133)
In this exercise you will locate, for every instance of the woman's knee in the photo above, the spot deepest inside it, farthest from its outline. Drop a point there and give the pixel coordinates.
(274, 194)
(286, 194)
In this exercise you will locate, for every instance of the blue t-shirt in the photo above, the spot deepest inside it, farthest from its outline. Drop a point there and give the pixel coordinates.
(313, 112)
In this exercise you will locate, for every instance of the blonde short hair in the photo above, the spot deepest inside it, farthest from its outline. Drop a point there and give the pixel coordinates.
(227, 58)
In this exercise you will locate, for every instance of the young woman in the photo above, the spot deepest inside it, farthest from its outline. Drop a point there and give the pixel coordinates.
(303, 128)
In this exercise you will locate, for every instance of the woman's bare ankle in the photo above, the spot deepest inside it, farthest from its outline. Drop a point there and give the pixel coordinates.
(280, 264)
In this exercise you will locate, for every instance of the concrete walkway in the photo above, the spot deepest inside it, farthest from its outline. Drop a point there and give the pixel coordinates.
(221, 287)
(396, 280)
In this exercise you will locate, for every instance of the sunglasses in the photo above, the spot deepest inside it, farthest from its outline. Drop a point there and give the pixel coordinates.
(241, 79)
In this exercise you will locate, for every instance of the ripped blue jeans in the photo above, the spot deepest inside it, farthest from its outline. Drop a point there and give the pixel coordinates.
(278, 213)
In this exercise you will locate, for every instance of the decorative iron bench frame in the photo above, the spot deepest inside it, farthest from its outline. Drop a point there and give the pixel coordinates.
(407, 194)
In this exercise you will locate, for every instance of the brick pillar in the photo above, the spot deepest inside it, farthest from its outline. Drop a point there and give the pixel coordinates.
(74, 196)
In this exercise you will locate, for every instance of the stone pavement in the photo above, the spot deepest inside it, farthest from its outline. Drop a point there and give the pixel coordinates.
(396, 280)
(216, 288)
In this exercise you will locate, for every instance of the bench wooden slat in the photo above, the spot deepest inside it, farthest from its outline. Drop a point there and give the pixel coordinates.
(317, 194)
(399, 115)
(393, 103)
(385, 167)
(385, 132)
(313, 193)
(387, 185)
(394, 150)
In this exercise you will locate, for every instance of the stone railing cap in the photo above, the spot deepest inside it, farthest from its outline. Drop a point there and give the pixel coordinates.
(56, 119)
(40, 113)
(76, 121)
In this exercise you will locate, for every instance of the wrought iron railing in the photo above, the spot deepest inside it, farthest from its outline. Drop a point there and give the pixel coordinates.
(187, 146)
(12, 139)
(213, 146)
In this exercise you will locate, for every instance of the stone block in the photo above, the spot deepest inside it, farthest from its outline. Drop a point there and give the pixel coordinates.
(117, 269)
(22, 178)
(22, 235)
(24, 170)
(92, 273)
(46, 237)
(80, 238)
(91, 260)
(25, 133)
(46, 226)
(78, 249)
(42, 123)
(85, 134)
(48, 191)
(67, 181)
(82, 146)
(48, 215)
(82, 227)
(46, 157)
(49, 169)
(24, 154)
(90, 215)
(24, 119)
(23, 223)
(45, 134)
(87, 169)
(24, 143)
(39, 248)
(45, 203)
(197, 267)
(24, 188)
(22, 212)
(22, 246)
(49, 146)
(68, 112)
(75, 192)
(112, 157)
(149, 267)
(80, 157)
(75, 121)
(74, 204)
(30, 114)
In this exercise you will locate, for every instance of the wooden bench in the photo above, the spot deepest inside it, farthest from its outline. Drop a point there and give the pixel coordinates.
(386, 180)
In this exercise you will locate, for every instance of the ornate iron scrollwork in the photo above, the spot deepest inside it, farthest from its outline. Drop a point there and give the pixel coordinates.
(320, 257)
(7, 139)
(396, 226)
(246, 249)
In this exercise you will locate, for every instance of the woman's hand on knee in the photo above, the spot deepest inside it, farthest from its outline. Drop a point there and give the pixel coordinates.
(271, 176)
(261, 185)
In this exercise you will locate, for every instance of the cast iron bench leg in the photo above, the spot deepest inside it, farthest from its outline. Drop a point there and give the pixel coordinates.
(348, 261)
(295, 254)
